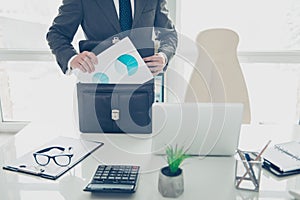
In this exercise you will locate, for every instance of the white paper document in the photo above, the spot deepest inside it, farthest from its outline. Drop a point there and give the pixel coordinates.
(121, 63)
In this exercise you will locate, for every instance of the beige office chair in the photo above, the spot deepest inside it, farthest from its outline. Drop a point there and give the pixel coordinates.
(217, 76)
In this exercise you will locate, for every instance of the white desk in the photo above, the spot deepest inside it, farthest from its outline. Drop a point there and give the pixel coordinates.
(208, 178)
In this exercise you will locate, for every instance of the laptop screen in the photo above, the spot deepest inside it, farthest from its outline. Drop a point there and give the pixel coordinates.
(202, 128)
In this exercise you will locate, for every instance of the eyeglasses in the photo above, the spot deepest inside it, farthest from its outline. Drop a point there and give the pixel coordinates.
(63, 159)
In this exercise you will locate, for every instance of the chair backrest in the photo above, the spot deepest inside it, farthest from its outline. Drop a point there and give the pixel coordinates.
(217, 76)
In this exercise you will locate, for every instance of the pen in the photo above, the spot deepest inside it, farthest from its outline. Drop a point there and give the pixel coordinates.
(262, 151)
(256, 159)
(251, 168)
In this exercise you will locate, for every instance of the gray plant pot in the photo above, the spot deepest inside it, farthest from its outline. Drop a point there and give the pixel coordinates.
(170, 186)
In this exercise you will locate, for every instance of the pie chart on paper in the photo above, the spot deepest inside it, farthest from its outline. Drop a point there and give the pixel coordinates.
(126, 64)
(100, 78)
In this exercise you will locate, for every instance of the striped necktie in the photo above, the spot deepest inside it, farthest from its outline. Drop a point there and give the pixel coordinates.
(125, 14)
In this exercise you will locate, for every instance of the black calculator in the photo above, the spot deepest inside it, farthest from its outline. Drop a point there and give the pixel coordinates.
(114, 178)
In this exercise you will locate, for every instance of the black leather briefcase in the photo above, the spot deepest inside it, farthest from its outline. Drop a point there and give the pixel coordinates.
(115, 108)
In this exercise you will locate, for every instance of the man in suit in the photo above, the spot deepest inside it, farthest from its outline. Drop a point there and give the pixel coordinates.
(103, 20)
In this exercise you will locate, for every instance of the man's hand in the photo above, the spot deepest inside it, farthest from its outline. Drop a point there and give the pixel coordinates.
(84, 61)
(156, 63)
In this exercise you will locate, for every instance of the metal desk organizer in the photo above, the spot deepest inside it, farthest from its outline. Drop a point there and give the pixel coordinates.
(115, 108)
(248, 171)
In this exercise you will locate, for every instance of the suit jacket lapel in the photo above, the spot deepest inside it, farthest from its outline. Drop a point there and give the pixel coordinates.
(109, 10)
(138, 8)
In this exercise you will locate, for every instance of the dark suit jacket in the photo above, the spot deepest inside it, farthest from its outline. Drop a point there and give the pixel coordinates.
(99, 21)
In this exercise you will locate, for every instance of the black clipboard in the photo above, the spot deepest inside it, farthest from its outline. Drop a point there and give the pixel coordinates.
(27, 164)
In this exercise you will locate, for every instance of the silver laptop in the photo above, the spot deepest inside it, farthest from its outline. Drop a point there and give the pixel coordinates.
(204, 129)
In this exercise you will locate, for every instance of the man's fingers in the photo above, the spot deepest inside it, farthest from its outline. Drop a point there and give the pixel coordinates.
(156, 70)
(153, 64)
(85, 61)
(156, 57)
(89, 66)
(90, 60)
(155, 73)
(92, 57)
(81, 67)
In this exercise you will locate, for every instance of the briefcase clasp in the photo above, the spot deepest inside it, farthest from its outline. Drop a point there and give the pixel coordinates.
(115, 114)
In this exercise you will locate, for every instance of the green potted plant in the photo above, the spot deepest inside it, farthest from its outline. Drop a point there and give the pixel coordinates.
(170, 182)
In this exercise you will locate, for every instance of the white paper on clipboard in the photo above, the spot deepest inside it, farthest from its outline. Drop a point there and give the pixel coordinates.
(27, 164)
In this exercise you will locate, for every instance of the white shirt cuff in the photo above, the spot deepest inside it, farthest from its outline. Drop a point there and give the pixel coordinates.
(165, 56)
(69, 70)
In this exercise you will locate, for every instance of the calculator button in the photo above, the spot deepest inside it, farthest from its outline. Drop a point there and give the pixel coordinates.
(98, 181)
